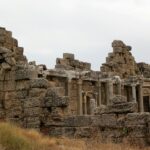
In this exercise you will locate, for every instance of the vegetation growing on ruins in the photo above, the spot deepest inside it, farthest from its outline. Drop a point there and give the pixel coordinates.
(15, 138)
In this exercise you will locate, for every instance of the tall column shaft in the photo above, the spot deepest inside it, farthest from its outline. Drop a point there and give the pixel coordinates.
(69, 88)
(99, 94)
(141, 98)
(109, 91)
(85, 105)
(119, 88)
(92, 106)
(79, 105)
(134, 93)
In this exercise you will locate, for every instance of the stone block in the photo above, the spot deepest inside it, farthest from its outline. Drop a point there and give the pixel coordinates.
(22, 85)
(15, 112)
(2, 114)
(25, 74)
(22, 94)
(2, 74)
(68, 56)
(7, 55)
(37, 92)
(9, 85)
(19, 50)
(6, 66)
(2, 95)
(4, 50)
(1, 86)
(56, 101)
(128, 107)
(56, 131)
(35, 111)
(78, 121)
(39, 83)
(69, 131)
(10, 75)
(105, 120)
(32, 102)
(32, 122)
(12, 104)
(136, 119)
(137, 132)
(10, 60)
(84, 132)
(10, 95)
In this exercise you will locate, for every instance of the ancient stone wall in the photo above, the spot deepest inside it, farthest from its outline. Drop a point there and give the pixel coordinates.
(144, 69)
(72, 100)
(120, 62)
(68, 62)
(25, 98)
(132, 128)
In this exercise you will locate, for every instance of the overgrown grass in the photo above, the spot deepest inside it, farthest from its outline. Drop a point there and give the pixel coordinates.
(15, 138)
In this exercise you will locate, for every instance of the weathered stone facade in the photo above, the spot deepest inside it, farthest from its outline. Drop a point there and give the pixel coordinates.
(73, 100)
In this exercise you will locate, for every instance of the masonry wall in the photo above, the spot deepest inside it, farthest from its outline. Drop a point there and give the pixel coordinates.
(132, 128)
(53, 101)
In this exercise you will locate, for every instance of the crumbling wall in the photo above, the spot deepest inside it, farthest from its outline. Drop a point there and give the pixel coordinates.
(117, 122)
(48, 100)
(26, 97)
(132, 128)
(68, 62)
(120, 62)
(144, 69)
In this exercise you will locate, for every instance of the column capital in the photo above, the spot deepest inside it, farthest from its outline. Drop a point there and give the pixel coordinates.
(134, 85)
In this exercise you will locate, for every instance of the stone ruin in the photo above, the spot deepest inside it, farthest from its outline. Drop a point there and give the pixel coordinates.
(73, 100)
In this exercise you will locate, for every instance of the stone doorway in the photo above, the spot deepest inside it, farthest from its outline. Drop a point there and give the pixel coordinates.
(146, 102)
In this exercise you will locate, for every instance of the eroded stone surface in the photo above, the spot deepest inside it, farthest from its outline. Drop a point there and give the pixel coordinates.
(73, 100)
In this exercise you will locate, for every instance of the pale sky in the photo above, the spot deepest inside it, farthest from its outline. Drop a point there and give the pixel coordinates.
(47, 28)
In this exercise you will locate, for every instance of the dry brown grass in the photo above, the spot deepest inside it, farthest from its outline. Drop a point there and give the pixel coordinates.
(15, 138)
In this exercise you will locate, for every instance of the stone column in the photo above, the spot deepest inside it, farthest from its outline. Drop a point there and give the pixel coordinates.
(140, 91)
(96, 100)
(122, 89)
(69, 87)
(99, 94)
(79, 104)
(119, 88)
(134, 93)
(85, 104)
(109, 90)
(92, 106)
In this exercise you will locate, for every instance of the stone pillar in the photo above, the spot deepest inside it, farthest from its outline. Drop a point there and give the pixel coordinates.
(99, 94)
(140, 91)
(119, 88)
(96, 100)
(134, 93)
(122, 90)
(69, 87)
(92, 106)
(85, 104)
(79, 103)
(109, 90)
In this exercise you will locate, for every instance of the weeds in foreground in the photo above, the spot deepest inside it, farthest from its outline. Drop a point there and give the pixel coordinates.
(15, 138)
